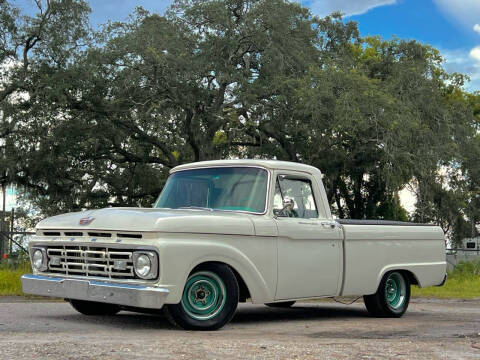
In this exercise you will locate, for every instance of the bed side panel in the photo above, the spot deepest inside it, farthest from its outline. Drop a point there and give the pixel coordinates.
(372, 250)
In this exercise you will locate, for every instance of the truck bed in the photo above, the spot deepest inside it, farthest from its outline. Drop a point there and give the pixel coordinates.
(373, 247)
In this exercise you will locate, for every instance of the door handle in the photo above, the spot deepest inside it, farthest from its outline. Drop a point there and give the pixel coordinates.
(328, 224)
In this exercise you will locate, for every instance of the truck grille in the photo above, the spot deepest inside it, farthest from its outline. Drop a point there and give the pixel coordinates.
(90, 261)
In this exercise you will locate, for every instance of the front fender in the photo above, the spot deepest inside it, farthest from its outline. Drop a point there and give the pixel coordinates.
(178, 258)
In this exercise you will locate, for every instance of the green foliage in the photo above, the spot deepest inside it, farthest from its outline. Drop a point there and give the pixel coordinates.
(94, 119)
(10, 283)
(390, 209)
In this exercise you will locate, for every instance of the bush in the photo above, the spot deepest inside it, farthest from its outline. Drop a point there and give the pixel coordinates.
(465, 270)
(10, 273)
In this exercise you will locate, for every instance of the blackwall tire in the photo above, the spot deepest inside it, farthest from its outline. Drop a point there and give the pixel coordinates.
(392, 297)
(209, 299)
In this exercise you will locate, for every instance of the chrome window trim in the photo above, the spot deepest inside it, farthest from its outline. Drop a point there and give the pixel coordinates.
(269, 177)
(308, 178)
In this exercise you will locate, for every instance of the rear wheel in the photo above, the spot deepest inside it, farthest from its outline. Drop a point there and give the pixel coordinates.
(283, 304)
(209, 299)
(94, 308)
(392, 297)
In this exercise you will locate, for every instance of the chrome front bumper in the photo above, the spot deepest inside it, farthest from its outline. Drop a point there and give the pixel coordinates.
(122, 294)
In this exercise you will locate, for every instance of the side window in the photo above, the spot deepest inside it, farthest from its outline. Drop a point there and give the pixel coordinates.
(298, 190)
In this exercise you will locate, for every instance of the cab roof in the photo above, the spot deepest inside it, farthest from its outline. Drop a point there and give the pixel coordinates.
(268, 164)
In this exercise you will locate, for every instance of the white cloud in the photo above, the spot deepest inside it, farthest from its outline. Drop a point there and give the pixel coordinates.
(347, 7)
(466, 62)
(466, 12)
(475, 54)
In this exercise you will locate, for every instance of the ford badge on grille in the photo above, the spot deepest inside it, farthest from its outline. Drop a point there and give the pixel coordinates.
(86, 221)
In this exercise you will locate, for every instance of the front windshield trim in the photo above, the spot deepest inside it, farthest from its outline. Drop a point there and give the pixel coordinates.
(267, 195)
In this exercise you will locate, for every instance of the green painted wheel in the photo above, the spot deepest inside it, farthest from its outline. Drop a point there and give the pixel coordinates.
(209, 299)
(392, 296)
(204, 295)
(395, 290)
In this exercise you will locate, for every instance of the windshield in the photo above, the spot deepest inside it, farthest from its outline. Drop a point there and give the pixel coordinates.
(222, 188)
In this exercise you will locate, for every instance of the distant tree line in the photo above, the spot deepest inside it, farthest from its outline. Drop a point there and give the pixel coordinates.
(93, 118)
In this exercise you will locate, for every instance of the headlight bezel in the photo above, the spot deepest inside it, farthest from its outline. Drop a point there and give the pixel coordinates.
(44, 264)
(153, 257)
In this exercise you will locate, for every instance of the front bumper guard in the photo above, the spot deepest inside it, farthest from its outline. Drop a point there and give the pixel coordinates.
(121, 294)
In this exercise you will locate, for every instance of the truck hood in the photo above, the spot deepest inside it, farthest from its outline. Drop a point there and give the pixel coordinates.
(157, 220)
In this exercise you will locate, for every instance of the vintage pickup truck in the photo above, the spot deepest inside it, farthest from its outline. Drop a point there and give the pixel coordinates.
(223, 232)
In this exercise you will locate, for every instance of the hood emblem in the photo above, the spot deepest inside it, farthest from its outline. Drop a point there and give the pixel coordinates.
(86, 220)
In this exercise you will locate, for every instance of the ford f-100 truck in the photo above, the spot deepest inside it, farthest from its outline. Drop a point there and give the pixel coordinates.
(223, 232)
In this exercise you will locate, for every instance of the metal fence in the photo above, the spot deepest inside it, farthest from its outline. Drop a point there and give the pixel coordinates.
(12, 241)
(10, 244)
(456, 256)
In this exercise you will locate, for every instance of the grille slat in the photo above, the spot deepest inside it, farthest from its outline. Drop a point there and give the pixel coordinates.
(89, 261)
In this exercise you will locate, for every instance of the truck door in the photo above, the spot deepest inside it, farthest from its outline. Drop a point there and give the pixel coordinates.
(309, 247)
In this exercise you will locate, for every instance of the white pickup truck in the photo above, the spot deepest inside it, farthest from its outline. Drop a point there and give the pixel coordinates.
(223, 232)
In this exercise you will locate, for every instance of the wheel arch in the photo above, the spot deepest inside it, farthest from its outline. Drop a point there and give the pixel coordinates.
(250, 282)
(244, 292)
(408, 273)
(411, 276)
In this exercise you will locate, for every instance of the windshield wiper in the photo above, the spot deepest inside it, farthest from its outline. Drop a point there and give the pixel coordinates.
(195, 208)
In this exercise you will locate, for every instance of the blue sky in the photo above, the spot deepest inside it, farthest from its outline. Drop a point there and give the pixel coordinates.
(452, 26)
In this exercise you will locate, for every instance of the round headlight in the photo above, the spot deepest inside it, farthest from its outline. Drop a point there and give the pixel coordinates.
(37, 259)
(143, 265)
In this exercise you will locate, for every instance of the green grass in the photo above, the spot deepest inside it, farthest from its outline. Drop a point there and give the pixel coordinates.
(453, 289)
(10, 278)
(462, 283)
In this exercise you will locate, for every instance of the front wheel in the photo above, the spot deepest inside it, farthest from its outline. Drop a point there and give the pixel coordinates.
(209, 299)
(392, 297)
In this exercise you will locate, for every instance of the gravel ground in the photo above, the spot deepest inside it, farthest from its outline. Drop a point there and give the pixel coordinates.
(431, 329)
